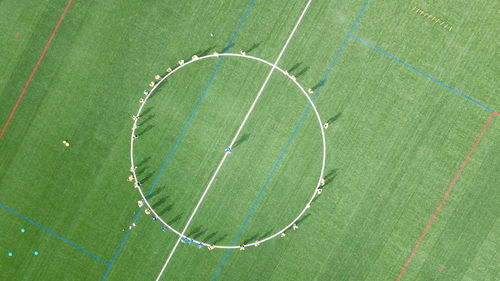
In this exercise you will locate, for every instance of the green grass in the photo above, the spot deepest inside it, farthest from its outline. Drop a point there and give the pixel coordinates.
(396, 144)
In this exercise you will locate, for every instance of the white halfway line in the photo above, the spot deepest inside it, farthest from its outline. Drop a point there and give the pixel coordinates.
(234, 140)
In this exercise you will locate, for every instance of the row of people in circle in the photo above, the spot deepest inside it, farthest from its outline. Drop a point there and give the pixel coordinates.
(137, 184)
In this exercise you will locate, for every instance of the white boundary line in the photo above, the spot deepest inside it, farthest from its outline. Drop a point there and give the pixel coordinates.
(284, 73)
(270, 74)
(232, 142)
(303, 92)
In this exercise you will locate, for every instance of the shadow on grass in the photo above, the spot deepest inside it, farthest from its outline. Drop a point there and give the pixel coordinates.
(225, 49)
(144, 161)
(241, 140)
(146, 178)
(303, 218)
(174, 220)
(295, 70)
(320, 84)
(145, 111)
(302, 72)
(220, 238)
(204, 52)
(165, 209)
(265, 235)
(334, 118)
(253, 47)
(197, 231)
(144, 130)
(330, 176)
(141, 170)
(158, 203)
(251, 239)
(144, 121)
(156, 191)
(210, 236)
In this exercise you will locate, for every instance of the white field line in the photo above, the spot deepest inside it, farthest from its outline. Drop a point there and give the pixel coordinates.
(270, 74)
(320, 123)
(234, 140)
(192, 216)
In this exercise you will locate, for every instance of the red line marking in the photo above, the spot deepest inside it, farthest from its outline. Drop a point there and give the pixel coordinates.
(433, 218)
(35, 69)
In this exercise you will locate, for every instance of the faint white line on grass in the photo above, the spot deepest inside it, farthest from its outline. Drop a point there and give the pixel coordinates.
(234, 139)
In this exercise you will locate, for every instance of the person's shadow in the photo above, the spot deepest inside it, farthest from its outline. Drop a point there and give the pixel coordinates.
(241, 140)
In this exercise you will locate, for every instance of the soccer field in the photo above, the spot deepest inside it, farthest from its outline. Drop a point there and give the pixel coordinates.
(265, 140)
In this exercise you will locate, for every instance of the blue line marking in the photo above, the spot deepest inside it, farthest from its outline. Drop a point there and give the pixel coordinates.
(121, 245)
(185, 127)
(200, 99)
(419, 71)
(54, 234)
(327, 74)
(233, 38)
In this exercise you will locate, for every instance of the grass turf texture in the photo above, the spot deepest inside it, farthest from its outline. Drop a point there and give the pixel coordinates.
(396, 144)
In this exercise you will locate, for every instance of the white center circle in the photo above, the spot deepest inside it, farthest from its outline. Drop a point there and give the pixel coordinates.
(216, 55)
